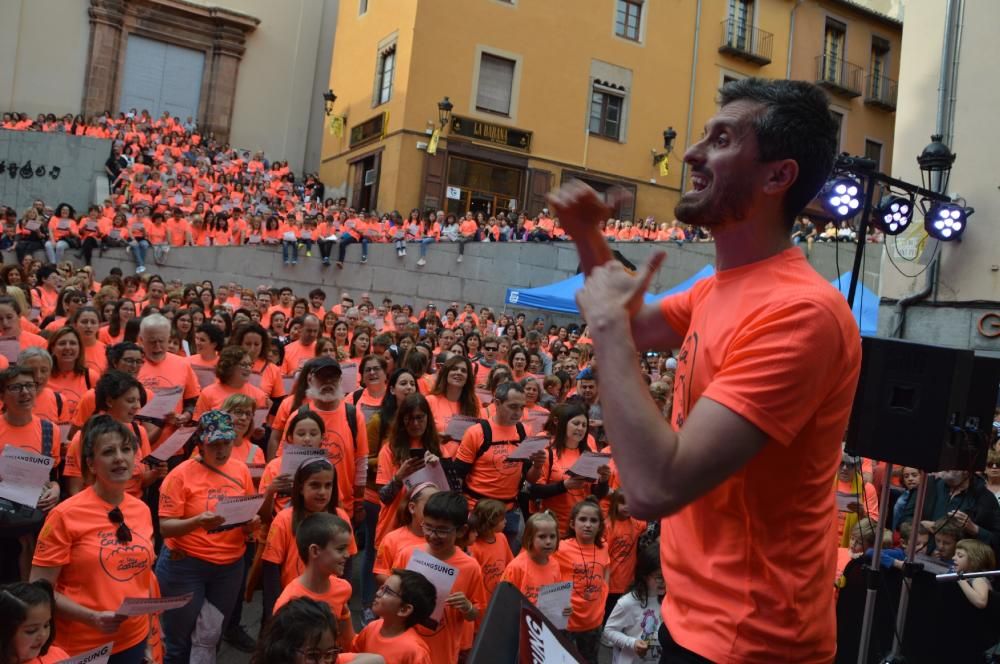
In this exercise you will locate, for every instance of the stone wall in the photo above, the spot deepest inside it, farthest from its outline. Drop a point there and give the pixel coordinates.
(79, 160)
(482, 278)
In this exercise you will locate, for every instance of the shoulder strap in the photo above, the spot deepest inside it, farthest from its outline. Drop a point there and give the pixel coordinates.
(252, 453)
(59, 403)
(219, 472)
(522, 433)
(86, 377)
(357, 394)
(351, 411)
(135, 430)
(48, 437)
(487, 438)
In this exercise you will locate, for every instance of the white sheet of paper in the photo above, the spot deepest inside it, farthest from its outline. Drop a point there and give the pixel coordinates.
(256, 470)
(162, 404)
(141, 606)
(238, 509)
(205, 375)
(441, 575)
(588, 463)
(349, 377)
(529, 446)
(10, 349)
(23, 474)
(174, 443)
(844, 499)
(292, 457)
(99, 655)
(553, 600)
(431, 472)
(455, 427)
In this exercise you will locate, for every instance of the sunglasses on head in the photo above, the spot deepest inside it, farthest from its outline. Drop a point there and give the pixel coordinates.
(123, 534)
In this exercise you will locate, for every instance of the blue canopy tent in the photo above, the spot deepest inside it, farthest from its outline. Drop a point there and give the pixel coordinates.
(561, 296)
(865, 304)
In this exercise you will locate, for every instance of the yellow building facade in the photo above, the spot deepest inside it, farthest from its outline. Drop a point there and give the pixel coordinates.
(542, 93)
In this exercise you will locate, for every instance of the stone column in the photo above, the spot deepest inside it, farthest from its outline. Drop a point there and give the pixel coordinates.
(101, 78)
(228, 47)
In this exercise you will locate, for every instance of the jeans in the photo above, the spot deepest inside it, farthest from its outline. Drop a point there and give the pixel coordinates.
(88, 246)
(672, 653)
(368, 555)
(27, 247)
(513, 529)
(587, 643)
(139, 248)
(289, 252)
(134, 655)
(237, 616)
(55, 250)
(218, 584)
(325, 249)
(347, 239)
(424, 241)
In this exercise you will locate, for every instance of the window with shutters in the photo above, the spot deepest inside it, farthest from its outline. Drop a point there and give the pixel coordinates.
(834, 37)
(606, 113)
(838, 118)
(879, 66)
(628, 19)
(873, 151)
(496, 84)
(385, 69)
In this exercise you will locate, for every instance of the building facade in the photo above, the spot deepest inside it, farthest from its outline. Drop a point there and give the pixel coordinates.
(250, 71)
(542, 93)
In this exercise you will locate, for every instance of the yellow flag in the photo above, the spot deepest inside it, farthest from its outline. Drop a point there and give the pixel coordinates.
(337, 126)
(665, 165)
(432, 145)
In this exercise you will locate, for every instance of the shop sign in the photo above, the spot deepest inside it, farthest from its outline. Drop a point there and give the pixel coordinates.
(488, 132)
(989, 325)
(369, 130)
(454, 193)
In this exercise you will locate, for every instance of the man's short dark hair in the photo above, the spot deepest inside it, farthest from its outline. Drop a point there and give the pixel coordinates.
(418, 592)
(796, 124)
(317, 292)
(449, 506)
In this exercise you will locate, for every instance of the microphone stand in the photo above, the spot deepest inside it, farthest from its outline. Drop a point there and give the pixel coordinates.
(874, 570)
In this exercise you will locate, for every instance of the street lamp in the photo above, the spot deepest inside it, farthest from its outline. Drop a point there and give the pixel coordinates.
(668, 143)
(328, 99)
(444, 111)
(935, 165)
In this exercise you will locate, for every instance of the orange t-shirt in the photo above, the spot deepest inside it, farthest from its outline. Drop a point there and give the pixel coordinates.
(267, 376)
(337, 597)
(104, 336)
(528, 576)
(97, 572)
(453, 630)
(623, 538)
(443, 410)
(46, 406)
(400, 539)
(562, 504)
(750, 339)
(493, 558)
(406, 648)
(295, 356)
(71, 387)
(587, 566)
(215, 394)
(88, 404)
(53, 656)
(282, 550)
(492, 475)
(29, 437)
(190, 489)
(95, 357)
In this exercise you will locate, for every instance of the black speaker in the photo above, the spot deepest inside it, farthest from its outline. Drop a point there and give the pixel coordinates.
(928, 407)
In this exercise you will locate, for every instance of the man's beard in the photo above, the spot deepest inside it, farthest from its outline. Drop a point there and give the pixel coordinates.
(717, 207)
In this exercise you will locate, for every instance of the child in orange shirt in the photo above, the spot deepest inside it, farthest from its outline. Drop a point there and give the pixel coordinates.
(26, 615)
(409, 534)
(583, 559)
(322, 540)
(534, 567)
(405, 600)
(305, 630)
(491, 552)
(623, 537)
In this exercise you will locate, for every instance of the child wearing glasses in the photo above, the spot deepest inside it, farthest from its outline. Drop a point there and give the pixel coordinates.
(405, 600)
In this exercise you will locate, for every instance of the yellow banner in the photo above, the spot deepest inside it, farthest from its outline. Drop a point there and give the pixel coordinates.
(337, 126)
(432, 145)
(665, 165)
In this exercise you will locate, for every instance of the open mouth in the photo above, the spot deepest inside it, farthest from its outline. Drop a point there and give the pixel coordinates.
(699, 182)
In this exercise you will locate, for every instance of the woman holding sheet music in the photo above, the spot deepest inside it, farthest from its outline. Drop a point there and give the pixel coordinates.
(96, 549)
(454, 392)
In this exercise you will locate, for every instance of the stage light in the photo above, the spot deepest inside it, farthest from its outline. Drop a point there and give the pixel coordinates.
(894, 215)
(841, 197)
(947, 221)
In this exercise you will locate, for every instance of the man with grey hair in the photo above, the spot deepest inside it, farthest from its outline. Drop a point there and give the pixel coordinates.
(299, 352)
(164, 371)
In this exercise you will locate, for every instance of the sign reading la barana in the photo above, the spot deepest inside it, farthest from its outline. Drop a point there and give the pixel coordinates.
(508, 137)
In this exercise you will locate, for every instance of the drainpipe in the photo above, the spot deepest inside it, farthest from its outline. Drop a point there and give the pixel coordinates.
(694, 75)
(791, 40)
(944, 125)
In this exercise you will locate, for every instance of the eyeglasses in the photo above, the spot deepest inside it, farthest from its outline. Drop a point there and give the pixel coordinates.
(373, 369)
(73, 300)
(993, 465)
(246, 365)
(17, 388)
(317, 656)
(491, 348)
(123, 534)
(386, 590)
(133, 361)
(437, 532)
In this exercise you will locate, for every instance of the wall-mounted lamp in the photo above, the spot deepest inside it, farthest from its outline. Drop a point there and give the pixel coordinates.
(444, 111)
(328, 99)
(668, 143)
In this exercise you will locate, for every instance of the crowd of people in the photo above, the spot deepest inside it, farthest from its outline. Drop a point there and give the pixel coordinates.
(389, 394)
(171, 186)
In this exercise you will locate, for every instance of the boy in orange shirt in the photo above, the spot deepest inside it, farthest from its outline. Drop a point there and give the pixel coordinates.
(405, 600)
(446, 516)
(323, 540)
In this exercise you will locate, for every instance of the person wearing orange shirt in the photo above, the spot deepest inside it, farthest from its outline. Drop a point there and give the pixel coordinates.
(405, 600)
(468, 231)
(489, 548)
(62, 234)
(156, 233)
(744, 435)
(232, 373)
(301, 351)
(86, 321)
(454, 393)
(322, 541)
(355, 230)
(257, 342)
(47, 293)
(139, 232)
(27, 616)
(70, 376)
(534, 567)
(445, 520)
(178, 229)
(96, 549)
(11, 322)
(544, 228)
(196, 556)
(162, 370)
(484, 468)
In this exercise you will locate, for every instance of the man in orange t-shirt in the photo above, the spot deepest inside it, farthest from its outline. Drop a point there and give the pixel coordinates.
(758, 416)
(299, 352)
(163, 370)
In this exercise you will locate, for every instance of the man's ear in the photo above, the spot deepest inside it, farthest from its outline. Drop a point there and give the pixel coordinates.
(781, 175)
(404, 610)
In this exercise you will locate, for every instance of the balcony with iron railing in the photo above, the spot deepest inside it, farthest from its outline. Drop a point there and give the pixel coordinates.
(880, 91)
(740, 39)
(839, 76)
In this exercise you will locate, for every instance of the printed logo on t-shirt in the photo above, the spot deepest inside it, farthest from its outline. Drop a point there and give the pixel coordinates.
(586, 581)
(620, 547)
(686, 361)
(122, 562)
(492, 571)
(334, 444)
(156, 382)
(500, 452)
